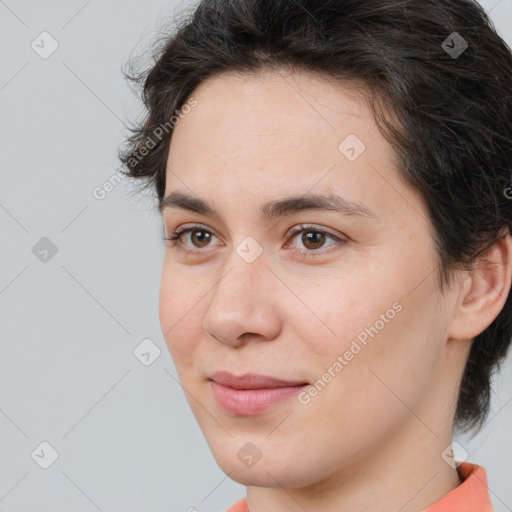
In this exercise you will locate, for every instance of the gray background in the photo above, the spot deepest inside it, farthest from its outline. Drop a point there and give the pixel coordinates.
(125, 437)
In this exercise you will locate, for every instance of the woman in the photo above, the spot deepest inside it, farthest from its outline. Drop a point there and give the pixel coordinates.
(333, 179)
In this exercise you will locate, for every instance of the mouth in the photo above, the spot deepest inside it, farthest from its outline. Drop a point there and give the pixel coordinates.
(251, 394)
(253, 381)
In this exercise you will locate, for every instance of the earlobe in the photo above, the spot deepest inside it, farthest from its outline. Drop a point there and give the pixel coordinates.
(484, 291)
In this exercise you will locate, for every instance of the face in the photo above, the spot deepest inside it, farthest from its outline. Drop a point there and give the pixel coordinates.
(344, 300)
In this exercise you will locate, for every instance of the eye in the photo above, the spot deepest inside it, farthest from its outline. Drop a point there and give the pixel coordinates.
(313, 238)
(197, 234)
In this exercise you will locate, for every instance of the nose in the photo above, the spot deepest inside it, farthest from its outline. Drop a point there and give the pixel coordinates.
(244, 304)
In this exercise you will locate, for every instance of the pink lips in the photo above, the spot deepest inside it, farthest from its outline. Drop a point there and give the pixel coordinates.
(251, 394)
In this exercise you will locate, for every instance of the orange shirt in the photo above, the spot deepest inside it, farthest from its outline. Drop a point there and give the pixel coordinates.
(472, 495)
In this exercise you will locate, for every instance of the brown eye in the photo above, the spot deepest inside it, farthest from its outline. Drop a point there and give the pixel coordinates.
(203, 238)
(199, 237)
(313, 239)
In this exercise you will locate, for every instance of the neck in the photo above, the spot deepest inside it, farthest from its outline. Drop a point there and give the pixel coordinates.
(408, 474)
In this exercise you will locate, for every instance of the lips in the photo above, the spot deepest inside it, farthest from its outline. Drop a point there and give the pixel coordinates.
(253, 381)
(252, 394)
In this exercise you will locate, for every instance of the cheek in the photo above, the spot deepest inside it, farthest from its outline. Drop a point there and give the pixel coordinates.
(389, 353)
(341, 308)
(181, 291)
(364, 322)
(180, 302)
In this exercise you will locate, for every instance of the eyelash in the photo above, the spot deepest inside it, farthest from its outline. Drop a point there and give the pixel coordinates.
(176, 237)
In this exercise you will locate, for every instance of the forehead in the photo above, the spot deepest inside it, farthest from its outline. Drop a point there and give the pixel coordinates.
(281, 131)
(273, 98)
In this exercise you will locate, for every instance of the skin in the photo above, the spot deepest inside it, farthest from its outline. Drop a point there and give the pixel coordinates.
(373, 436)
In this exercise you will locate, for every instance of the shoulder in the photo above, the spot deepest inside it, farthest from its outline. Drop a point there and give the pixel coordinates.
(239, 506)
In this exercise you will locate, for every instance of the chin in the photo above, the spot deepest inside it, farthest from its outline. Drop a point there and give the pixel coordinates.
(273, 471)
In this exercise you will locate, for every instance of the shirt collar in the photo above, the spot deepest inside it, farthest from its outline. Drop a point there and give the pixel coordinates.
(472, 495)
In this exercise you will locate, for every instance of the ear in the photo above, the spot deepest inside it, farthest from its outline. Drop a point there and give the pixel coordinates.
(483, 291)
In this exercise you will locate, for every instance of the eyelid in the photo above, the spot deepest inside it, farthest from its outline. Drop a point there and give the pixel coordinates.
(293, 231)
(313, 227)
(290, 232)
(191, 226)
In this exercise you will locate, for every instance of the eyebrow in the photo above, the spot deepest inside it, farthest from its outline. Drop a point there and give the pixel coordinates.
(273, 209)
